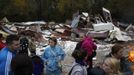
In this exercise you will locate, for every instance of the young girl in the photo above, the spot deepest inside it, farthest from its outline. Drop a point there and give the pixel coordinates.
(111, 66)
(52, 56)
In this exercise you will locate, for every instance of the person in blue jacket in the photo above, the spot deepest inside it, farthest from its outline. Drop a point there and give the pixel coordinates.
(52, 56)
(7, 53)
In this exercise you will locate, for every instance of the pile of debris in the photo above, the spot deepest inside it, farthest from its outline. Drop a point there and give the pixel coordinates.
(103, 30)
(98, 27)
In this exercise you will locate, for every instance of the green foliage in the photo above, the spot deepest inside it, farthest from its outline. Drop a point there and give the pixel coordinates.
(60, 10)
(122, 9)
(48, 10)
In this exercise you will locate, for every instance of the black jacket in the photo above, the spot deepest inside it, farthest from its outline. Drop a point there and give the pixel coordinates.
(96, 71)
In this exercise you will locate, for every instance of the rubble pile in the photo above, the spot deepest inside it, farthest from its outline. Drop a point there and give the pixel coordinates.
(104, 31)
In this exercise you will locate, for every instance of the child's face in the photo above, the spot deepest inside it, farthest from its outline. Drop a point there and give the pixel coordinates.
(107, 67)
(51, 43)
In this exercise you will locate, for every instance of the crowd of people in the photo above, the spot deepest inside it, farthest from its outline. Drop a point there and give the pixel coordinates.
(115, 63)
(16, 60)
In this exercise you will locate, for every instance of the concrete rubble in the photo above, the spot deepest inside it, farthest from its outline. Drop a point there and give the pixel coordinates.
(104, 33)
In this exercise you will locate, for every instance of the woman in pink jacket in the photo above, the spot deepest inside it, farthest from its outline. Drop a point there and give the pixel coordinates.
(90, 47)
